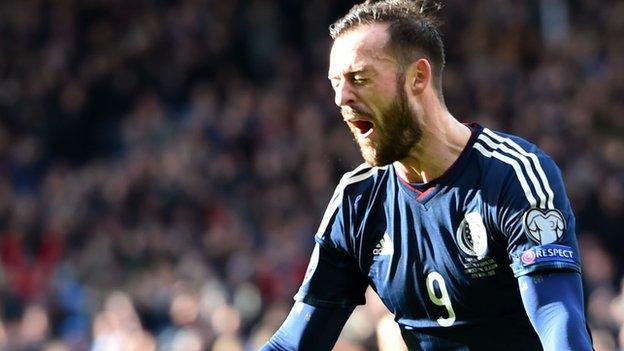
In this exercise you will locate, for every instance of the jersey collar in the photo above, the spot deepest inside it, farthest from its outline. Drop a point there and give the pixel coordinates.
(422, 192)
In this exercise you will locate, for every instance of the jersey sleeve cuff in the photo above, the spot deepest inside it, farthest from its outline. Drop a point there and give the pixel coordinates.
(311, 300)
(519, 271)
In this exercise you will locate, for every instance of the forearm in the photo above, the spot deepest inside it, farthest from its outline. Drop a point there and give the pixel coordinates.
(309, 328)
(554, 304)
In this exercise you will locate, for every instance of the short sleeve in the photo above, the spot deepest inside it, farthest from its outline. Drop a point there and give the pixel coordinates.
(333, 277)
(535, 216)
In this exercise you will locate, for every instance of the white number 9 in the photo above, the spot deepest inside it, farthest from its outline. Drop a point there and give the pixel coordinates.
(442, 300)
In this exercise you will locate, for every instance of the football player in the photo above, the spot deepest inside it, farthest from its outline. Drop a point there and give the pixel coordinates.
(465, 233)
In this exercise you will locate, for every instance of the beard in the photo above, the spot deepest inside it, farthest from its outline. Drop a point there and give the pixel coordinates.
(395, 138)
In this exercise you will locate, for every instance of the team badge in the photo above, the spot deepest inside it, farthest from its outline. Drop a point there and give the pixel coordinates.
(472, 236)
(544, 226)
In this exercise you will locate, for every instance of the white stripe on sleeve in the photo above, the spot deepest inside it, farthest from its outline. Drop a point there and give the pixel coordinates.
(533, 158)
(516, 166)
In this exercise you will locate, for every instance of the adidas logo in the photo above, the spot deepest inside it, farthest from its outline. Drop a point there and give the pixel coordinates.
(384, 246)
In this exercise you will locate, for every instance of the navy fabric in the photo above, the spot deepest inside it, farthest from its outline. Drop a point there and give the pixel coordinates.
(554, 305)
(309, 328)
(445, 260)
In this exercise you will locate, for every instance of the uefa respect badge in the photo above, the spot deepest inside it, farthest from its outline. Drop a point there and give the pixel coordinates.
(548, 253)
(528, 257)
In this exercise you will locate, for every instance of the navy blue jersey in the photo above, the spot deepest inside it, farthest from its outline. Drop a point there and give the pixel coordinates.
(445, 260)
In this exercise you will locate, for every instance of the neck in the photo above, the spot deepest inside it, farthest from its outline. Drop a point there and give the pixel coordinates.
(443, 139)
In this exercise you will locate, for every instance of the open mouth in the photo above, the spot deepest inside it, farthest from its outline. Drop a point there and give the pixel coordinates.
(365, 127)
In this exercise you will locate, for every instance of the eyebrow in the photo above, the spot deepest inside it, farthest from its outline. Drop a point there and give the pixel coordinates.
(364, 69)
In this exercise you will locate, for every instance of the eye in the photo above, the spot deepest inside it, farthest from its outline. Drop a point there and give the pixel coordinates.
(359, 80)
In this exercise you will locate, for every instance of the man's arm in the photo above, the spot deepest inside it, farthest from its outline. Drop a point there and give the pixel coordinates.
(554, 304)
(309, 328)
(333, 284)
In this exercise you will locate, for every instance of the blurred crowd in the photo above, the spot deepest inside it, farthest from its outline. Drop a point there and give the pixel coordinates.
(164, 164)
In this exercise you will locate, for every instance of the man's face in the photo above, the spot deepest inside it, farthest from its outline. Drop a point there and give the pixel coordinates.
(370, 92)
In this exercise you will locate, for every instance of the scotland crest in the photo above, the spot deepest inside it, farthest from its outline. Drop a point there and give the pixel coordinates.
(472, 236)
(544, 226)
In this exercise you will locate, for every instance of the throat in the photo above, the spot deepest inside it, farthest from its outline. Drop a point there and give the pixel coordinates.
(413, 174)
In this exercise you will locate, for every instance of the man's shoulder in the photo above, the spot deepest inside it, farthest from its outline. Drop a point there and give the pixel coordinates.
(352, 188)
(511, 153)
(519, 165)
(364, 173)
(362, 178)
(509, 143)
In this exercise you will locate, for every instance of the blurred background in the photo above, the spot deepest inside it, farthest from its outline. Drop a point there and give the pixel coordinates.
(165, 164)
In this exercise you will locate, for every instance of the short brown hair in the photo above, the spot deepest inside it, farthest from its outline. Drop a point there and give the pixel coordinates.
(413, 30)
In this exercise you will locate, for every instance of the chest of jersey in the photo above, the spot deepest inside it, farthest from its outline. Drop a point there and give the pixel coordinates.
(436, 261)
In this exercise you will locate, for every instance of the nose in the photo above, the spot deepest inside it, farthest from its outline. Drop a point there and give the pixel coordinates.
(343, 94)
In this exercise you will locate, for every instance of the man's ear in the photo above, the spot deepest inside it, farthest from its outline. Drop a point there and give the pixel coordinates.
(418, 76)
